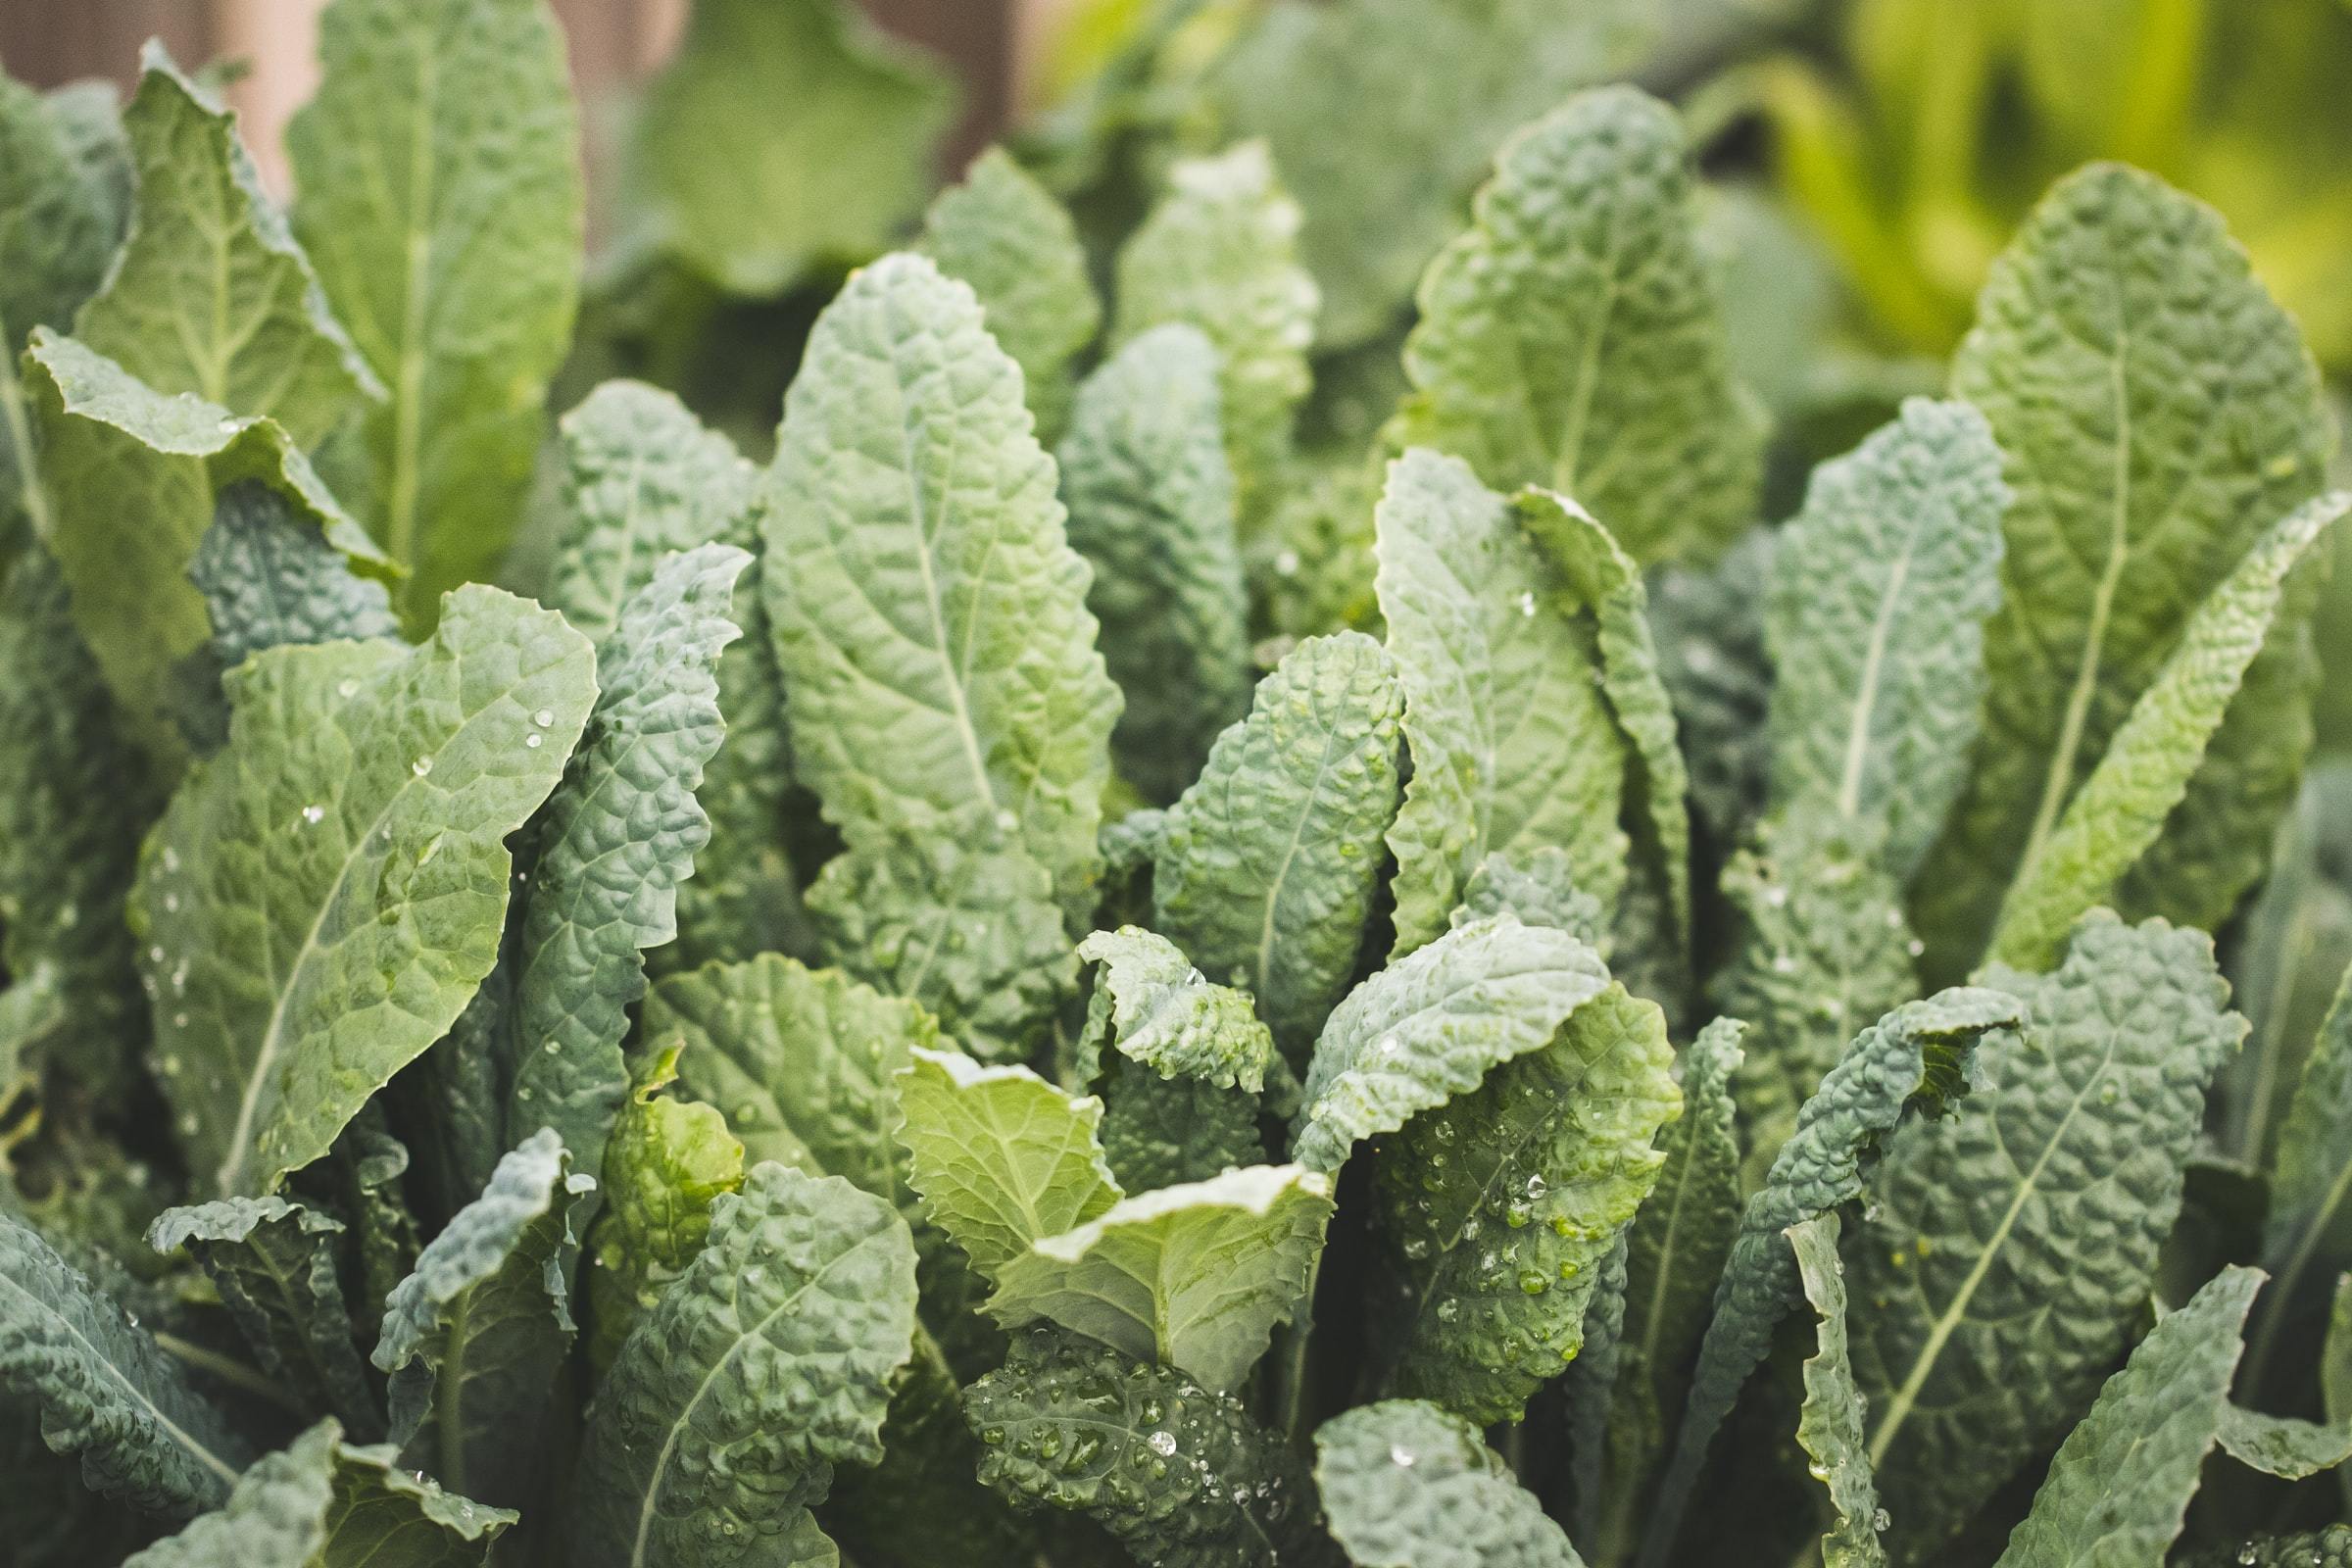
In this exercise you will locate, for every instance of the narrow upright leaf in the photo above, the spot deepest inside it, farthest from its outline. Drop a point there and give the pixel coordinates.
(1572, 338)
(2309, 1226)
(1407, 1485)
(359, 782)
(441, 204)
(1830, 1425)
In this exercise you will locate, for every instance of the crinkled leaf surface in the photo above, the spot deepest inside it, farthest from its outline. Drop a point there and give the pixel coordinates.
(1155, 1008)
(1408, 1484)
(270, 577)
(1707, 623)
(1831, 1426)
(1572, 338)
(323, 897)
(1514, 747)
(1266, 867)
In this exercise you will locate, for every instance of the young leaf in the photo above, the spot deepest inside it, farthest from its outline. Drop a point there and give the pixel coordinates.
(1265, 869)
(1407, 1485)
(274, 1265)
(932, 630)
(1572, 338)
(359, 782)
(2155, 411)
(1431, 1025)
(1006, 235)
(2043, 1199)
(270, 577)
(1002, 1158)
(784, 134)
(473, 1337)
(1150, 497)
(768, 1362)
(103, 1390)
(1194, 1277)
(2121, 1483)
(1506, 1201)
(2120, 808)
(1178, 1474)
(1220, 251)
(1916, 1059)
(613, 843)
(1514, 747)
(1874, 618)
(439, 167)
(1830, 1429)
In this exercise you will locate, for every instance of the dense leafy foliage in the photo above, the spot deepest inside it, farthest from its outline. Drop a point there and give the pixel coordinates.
(1252, 842)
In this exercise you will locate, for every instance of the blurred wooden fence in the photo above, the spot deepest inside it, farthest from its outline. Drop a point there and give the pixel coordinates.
(49, 41)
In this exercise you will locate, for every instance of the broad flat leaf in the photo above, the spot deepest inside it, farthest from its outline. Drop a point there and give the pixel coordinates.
(1572, 337)
(1266, 867)
(1917, 1059)
(1707, 623)
(323, 897)
(1505, 1202)
(932, 628)
(1006, 235)
(1874, 618)
(101, 1387)
(1220, 251)
(274, 1265)
(1830, 1425)
(2120, 809)
(1540, 888)
(612, 843)
(271, 577)
(1450, 78)
(2308, 1227)
(767, 1363)
(1513, 746)
(784, 135)
(1431, 1025)
(2043, 1199)
(1002, 1158)
(2156, 411)
(1408, 1484)
(439, 167)
(665, 1165)
(1150, 497)
(2283, 1445)
(1674, 1249)
(473, 1337)
(211, 296)
(1195, 1276)
(132, 475)
(2121, 1483)
(1177, 1473)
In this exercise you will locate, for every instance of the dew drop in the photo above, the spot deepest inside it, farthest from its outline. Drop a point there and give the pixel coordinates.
(544, 717)
(1880, 1520)
(314, 814)
(1401, 1456)
(1286, 564)
(347, 689)
(1163, 1443)
(1527, 603)
(534, 741)
(421, 766)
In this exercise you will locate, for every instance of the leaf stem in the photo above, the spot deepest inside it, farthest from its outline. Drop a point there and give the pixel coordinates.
(230, 1370)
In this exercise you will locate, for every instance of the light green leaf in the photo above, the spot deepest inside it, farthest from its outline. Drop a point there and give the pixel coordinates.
(359, 782)
(1829, 1427)
(767, 1363)
(274, 1265)
(211, 296)
(1505, 1202)
(473, 1337)
(1194, 1277)
(1144, 475)
(1542, 891)
(270, 577)
(1177, 1473)
(1431, 1025)
(1408, 1484)
(2282, 1445)
(439, 167)
(665, 1165)
(2120, 809)
(786, 134)
(101, 1387)
(1006, 235)
(1220, 251)
(2148, 441)
(1002, 1158)
(932, 630)
(612, 845)
(1874, 618)
(1572, 338)
(1513, 746)
(2121, 1483)
(2043, 1199)
(1917, 1059)
(1266, 869)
